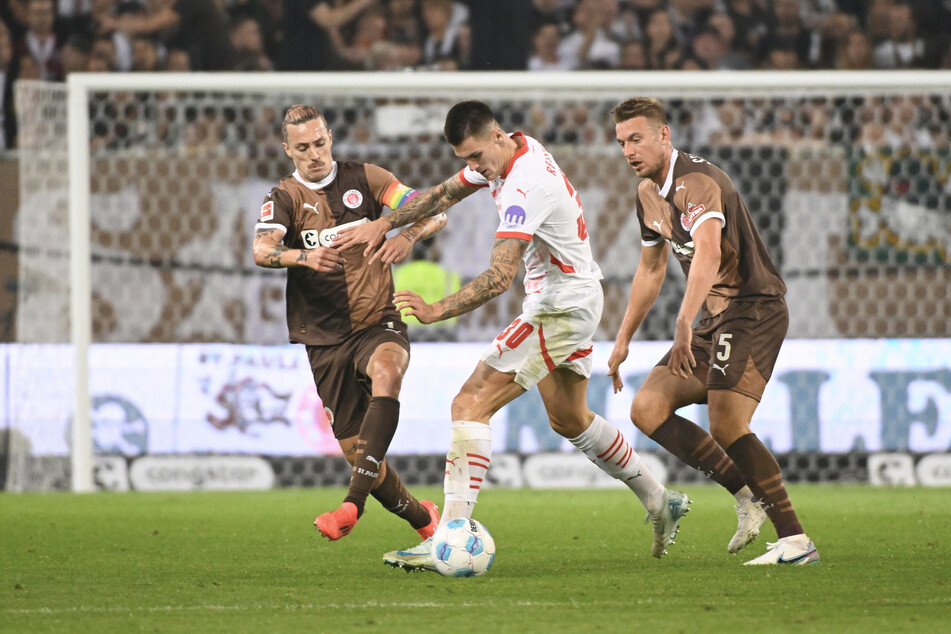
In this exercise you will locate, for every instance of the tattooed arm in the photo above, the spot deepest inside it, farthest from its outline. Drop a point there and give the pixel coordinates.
(270, 253)
(397, 248)
(506, 255)
(428, 204)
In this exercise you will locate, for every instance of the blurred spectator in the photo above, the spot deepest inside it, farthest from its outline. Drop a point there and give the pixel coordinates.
(733, 58)
(38, 40)
(877, 17)
(403, 23)
(555, 11)
(857, 53)
(633, 56)
(501, 34)
(147, 55)
(626, 24)
(834, 33)
(440, 44)
(74, 54)
(545, 54)
(662, 50)
(247, 41)
(902, 48)
(782, 55)
(710, 50)
(685, 20)
(751, 21)
(787, 33)
(312, 39)
(177, 61)
(197, 26)
(267, 13)
(590, 45)
(103, 55)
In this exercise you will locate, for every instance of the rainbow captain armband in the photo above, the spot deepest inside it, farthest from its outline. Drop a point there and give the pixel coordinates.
(398, 194)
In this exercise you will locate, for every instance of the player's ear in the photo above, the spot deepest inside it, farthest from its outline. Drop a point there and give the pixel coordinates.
(287, 150)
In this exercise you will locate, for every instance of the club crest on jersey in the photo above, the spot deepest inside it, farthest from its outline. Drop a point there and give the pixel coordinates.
(353, 199)
(267, 211)
(514, 216)
(692, 212)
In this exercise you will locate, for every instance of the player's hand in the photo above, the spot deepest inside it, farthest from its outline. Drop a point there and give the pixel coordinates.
(369, 233)
(322, 259)
(681, 361)
(618, 355)
(409, 303)
(393, 251)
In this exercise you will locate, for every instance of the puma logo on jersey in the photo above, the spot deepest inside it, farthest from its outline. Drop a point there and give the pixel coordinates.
(723, 369)
(309, 206)
(658, 224)
(680, 186)
(524, 193)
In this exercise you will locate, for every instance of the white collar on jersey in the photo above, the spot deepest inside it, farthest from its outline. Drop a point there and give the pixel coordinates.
(319, 184)
(670, 175)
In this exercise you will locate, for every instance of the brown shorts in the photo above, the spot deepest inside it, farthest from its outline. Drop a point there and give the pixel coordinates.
(742, 342)
(340, 374)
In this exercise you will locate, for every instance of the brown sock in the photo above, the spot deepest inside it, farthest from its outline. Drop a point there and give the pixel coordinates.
(694, 446)
(766, 480)
(397, 500)
(376, 432)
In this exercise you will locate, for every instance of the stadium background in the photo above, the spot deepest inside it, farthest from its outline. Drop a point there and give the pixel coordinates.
(850, 192)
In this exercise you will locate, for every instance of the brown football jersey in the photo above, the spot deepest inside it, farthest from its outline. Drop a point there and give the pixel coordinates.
(697, 191)
(322, 308)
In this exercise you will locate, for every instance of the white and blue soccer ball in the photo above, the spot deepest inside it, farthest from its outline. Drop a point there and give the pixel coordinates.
(463, 548)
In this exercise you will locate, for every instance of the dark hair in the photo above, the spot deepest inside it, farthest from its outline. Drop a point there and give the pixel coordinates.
(298, 114)
(466, 119)
(648, 107)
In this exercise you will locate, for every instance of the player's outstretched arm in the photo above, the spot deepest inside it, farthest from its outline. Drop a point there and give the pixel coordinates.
(506, 255)
(271, 254)
(428, 204)
(397, 248)
(648, 280)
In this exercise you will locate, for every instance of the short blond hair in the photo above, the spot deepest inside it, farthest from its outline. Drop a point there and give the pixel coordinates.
(648, 107)
(298, 114)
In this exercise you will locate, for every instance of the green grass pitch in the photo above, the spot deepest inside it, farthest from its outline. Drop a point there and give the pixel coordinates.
(568, 561)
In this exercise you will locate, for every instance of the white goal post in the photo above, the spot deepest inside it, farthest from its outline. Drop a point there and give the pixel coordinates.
(590, 94)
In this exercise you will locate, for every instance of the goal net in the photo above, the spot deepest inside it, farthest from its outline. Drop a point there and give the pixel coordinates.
(140, 233)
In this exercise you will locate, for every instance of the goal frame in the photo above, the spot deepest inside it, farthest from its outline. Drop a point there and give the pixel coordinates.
(663, 84)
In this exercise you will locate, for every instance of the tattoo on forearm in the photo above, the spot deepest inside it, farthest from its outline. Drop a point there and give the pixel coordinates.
(429, 203)
(506, 256)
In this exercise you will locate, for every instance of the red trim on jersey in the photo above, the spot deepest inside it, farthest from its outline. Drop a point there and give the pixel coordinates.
(579, 354)
(462, 177)
(547, 357)
(513, 234)
(565, 268)
(519, 139)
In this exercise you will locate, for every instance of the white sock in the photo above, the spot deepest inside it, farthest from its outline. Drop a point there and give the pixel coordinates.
(468, 459)
(743, 494)
(606, 447)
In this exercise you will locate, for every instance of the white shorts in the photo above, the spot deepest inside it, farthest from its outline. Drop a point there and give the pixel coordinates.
(555, 330)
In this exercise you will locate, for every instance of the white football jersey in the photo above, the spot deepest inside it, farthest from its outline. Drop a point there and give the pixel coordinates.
(537, 203)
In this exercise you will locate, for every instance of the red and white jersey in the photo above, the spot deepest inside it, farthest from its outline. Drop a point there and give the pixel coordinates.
(537, 203)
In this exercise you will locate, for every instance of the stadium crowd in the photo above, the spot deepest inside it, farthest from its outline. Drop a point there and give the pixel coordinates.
(48, 39)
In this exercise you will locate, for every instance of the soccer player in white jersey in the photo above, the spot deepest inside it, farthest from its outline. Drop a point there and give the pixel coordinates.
(549, 344)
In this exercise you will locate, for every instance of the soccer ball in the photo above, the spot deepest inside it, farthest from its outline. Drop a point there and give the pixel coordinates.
(463, 548)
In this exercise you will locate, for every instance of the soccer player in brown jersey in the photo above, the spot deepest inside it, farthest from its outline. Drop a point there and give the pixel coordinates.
(340, 306)
(690, 206)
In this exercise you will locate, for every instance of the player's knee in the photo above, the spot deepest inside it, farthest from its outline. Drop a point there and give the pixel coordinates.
(386, 379)
(648, 411)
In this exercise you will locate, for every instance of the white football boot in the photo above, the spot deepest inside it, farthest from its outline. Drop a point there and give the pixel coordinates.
(417, 558)
(750, 516)
(667, 521)
(795, 550)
